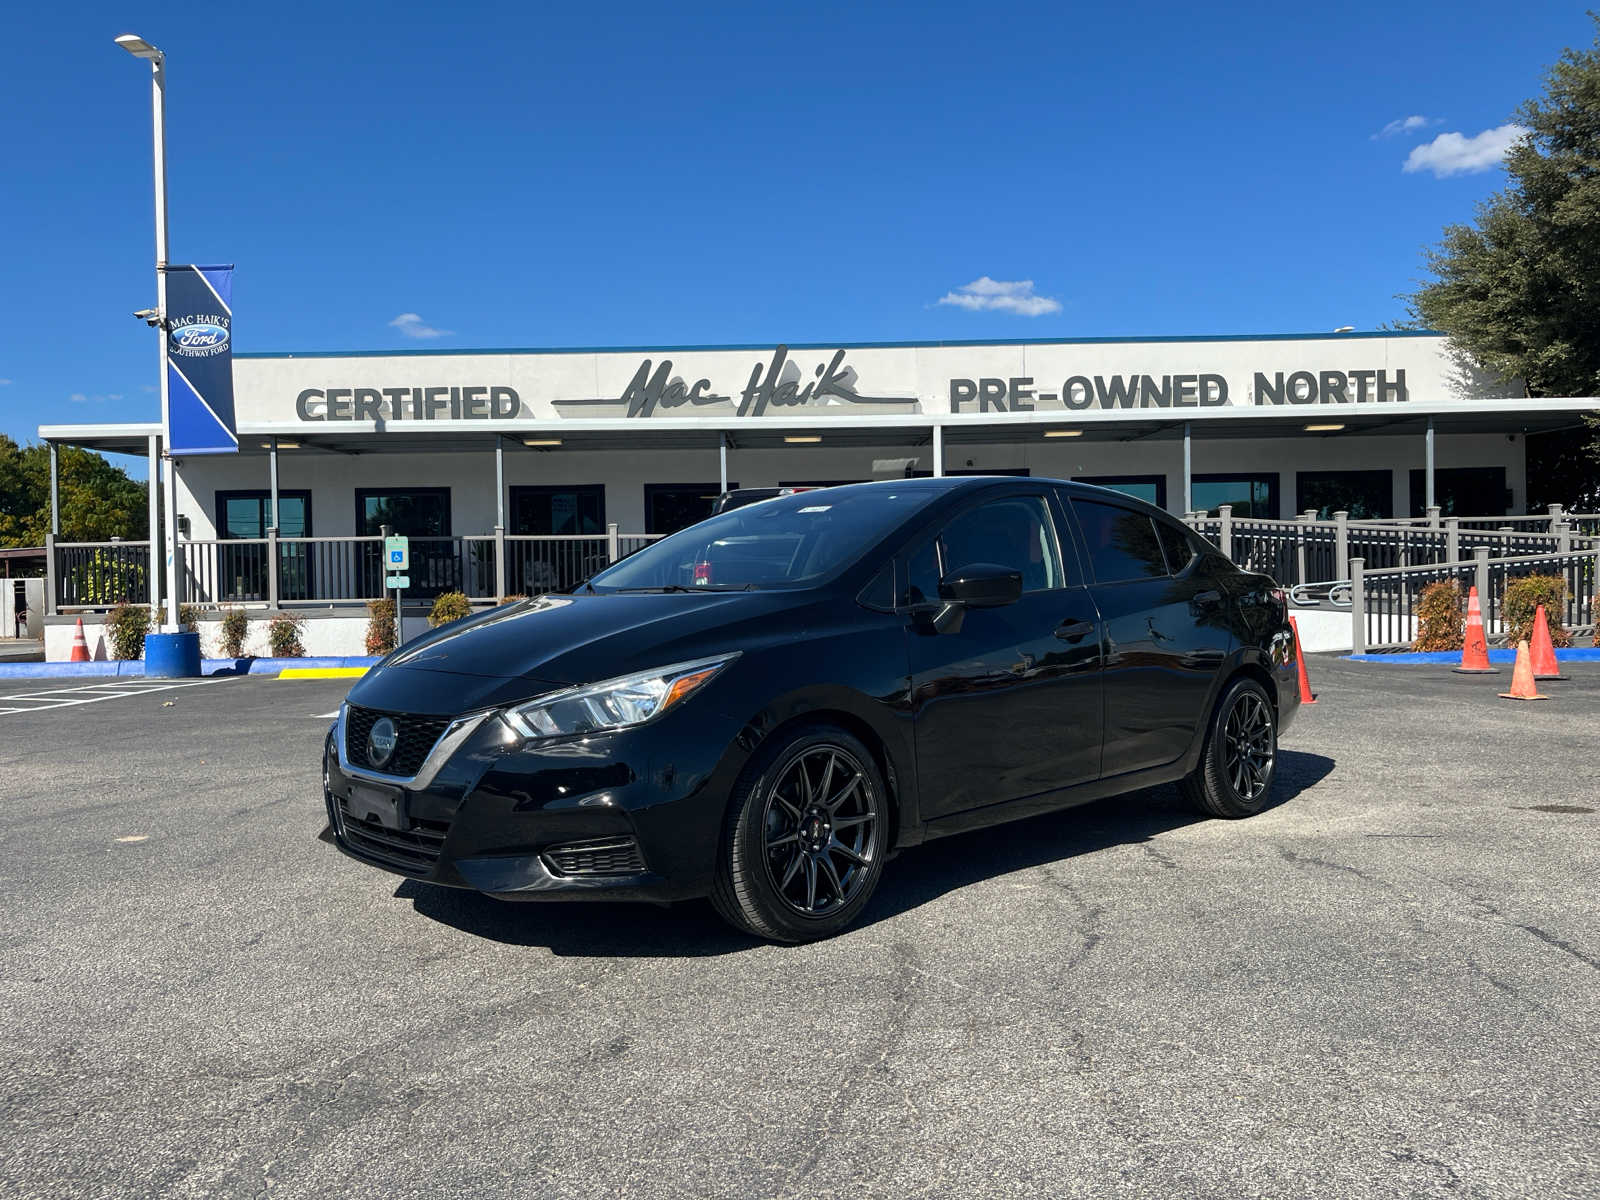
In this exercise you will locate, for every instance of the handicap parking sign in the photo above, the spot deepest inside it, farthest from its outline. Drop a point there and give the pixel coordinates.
(396, 553)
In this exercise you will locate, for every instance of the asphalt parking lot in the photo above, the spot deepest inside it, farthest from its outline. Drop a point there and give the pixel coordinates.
(1386, 985)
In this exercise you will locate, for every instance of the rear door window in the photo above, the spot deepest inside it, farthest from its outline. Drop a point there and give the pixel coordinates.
(1180, 550)
(1122, 543)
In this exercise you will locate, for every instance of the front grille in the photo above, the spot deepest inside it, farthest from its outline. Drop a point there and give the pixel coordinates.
(413, 851)
(417, 736)
(613, 856)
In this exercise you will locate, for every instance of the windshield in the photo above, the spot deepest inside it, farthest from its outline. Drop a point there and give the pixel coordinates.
(789, 542)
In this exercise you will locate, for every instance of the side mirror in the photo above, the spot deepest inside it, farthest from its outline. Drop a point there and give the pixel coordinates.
(982, 585)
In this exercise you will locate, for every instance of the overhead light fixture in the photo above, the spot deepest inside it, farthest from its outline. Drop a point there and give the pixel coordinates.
(1324, 428)
(799, 439)
(137, 46)
(1345, 329)
(1063, 433)
(541, 441)
(283, 445)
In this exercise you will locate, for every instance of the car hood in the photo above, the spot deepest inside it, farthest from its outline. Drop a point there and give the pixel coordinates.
(523, 649)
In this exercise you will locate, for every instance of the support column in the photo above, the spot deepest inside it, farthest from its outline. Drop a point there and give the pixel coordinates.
(722, 451)
(938, 451)
(1358, 607)
(272, 483)
(1188, 469)
(55, 492)
(1428, 490)
(499, 482)
(153, 505)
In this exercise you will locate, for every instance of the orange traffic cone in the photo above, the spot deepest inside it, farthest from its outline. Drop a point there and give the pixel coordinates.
(1522, 684)
(80, 647)
(1305, 684)
(1475, 647)
(1545, 665)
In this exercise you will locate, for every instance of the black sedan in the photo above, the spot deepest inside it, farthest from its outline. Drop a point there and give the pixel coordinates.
(763, 707)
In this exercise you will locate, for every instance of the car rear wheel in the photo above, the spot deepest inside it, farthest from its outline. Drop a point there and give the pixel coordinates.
(1240, 758)
(804, 843)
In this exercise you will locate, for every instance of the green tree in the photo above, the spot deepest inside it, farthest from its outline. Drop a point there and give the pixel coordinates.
(1518, 290)
(98, 500)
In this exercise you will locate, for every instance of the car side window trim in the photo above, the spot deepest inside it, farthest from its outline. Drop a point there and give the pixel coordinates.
(1069, 562)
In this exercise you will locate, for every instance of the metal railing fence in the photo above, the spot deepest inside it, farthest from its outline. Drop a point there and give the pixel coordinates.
(1384, 602)
(331, 571)
(1309, 551)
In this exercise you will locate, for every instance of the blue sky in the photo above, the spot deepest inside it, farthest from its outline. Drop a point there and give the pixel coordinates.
(626, 174)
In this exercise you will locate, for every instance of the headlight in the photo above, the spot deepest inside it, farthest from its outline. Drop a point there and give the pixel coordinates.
(619, 703)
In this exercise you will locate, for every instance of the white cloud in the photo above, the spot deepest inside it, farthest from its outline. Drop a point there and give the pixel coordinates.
(1406, 125)
(148, 387)
(97, 398)
(5, 383)
(985, 294)
(1455, 154)
(413, 326)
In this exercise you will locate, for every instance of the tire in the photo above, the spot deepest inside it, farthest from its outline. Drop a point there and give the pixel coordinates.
(805, 838)
(1240, 758)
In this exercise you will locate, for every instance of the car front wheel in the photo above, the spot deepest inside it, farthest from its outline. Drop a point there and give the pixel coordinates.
(805, 838)
(1236, 768)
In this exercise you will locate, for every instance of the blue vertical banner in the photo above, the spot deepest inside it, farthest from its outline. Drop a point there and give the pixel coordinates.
(200, 360)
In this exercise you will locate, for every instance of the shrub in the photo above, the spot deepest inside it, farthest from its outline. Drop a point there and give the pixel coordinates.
(283, 636)
(1441, 618)
(235, 628)
(106, 577)
(514, 598)
(1522, 600)
(450, 606)
(188, 618)
(380, 627)
(126, 625)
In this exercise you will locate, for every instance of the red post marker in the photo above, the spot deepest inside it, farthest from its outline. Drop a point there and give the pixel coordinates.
(1300, 659)
(1475, 647)
(1543, 649)
(1522, 684)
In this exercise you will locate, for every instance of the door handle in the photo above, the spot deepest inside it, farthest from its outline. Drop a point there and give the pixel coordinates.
(1074, 631)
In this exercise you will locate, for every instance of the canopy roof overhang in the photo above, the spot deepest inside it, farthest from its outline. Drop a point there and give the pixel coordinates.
(440, 437)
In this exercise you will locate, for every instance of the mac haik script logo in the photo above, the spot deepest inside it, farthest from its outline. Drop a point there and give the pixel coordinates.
(381, 742)
(199, 335)
(773, 384)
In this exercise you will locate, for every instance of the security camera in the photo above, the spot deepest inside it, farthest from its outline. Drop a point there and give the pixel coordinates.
(150, 316)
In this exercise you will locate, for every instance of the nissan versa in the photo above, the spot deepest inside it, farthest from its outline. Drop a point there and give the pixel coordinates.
(764, 707)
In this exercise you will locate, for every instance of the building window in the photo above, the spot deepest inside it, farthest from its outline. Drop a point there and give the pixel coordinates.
(1250, 495)
(247, 514)
(409, 512)
(1462, 492)
(1365, 495)
(242, 572)
(1152, 489)
(559, 509)
(669, 507)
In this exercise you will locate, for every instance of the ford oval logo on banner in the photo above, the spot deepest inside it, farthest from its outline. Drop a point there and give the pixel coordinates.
(200, 361)
(200, 336)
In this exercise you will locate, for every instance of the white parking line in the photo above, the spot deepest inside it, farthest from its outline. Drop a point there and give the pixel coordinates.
(70, 697)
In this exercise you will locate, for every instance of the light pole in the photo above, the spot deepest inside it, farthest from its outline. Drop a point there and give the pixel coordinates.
(140, 48)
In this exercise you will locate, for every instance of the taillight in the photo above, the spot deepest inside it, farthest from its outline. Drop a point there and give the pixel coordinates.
(702, 573)
(1281, 599)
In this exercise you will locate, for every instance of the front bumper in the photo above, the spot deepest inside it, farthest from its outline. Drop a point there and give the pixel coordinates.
(633, 815)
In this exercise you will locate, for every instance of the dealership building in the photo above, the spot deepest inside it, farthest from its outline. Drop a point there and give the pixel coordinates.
(453, 444)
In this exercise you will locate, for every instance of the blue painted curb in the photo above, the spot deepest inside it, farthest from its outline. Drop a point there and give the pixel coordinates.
(1452, 657)
(211, 666)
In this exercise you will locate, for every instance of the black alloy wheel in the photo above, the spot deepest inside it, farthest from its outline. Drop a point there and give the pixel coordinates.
(803, 851)
(1248, 746)
(1240, 757)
